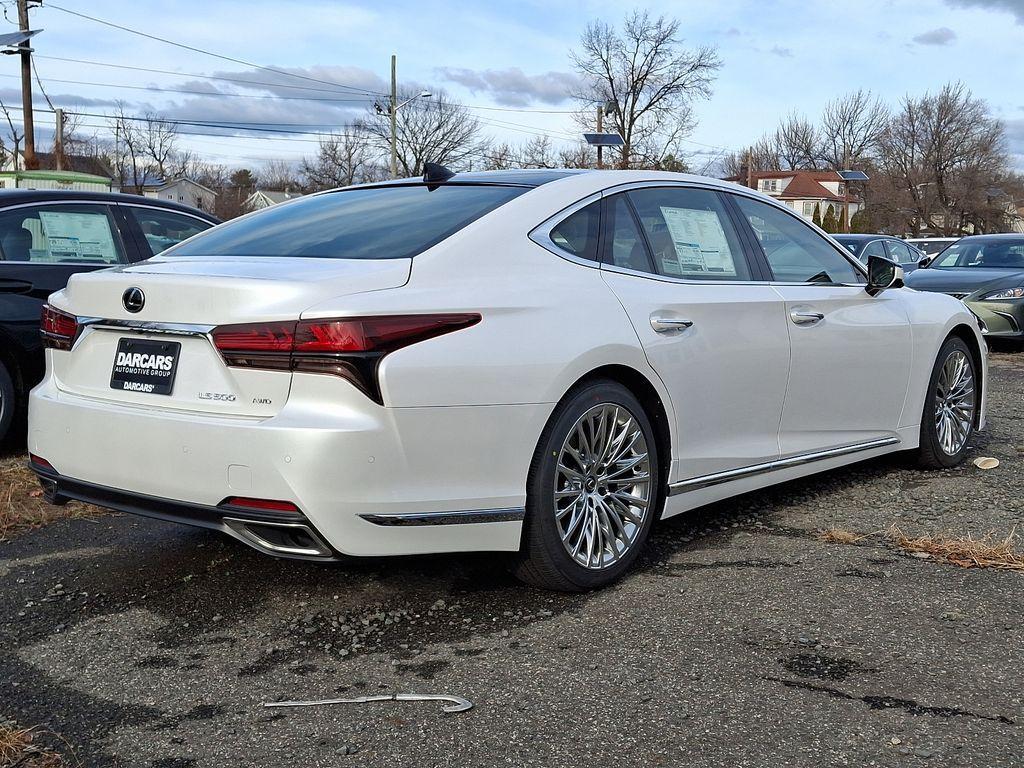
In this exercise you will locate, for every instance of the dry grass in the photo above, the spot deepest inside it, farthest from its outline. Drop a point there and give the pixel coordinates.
(20, 747)
(990, 551)
(22, 506)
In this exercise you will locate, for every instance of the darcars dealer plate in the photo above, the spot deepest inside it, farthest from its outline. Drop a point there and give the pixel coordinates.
(144, 365)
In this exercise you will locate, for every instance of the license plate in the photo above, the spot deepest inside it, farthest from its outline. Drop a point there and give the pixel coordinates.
(144, 365)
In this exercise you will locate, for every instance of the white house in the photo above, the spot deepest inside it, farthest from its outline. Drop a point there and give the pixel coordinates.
(264, 198)
(803, 190)
(182, 190)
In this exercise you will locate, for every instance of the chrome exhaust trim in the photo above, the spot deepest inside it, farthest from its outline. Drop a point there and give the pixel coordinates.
(291, 538)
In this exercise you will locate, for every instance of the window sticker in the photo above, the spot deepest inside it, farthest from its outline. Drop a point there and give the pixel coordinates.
(78, 236)
(700, 243)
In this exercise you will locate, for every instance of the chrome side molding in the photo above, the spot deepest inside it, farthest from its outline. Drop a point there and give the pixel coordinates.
(704, 481)
(506, 515)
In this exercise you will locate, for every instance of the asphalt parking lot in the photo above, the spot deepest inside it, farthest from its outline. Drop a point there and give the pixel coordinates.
(743, 639)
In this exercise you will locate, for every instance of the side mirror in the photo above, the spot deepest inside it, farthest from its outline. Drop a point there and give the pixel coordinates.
(925, 262)
(882, 275)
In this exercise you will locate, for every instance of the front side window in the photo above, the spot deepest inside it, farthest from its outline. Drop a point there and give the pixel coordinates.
(690, 234)
(578, 234)
(874, 248)
(795, 252)
(162, 229)
(396, 222)
(60, 234)
(899, 252)
(625, 245)
(995, 254)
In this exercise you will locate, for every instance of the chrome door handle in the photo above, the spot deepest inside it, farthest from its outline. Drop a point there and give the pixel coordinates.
(806, 318)
(668, 324)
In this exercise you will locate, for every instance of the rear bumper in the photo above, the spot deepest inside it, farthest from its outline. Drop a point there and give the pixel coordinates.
(284, 534)
(368, 480)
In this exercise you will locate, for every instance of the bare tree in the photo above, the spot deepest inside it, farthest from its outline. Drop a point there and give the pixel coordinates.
(436, 130)
(159, 143)
(16, 137)
(501, 158)
(538, 153)
(943, 156)
(797, 142)
(851, 127)
(648, 79)
(128, 156)
(280, 174)
(343, 159)
(579, 155)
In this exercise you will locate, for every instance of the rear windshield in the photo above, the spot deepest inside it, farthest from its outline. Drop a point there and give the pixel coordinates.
(372, 223)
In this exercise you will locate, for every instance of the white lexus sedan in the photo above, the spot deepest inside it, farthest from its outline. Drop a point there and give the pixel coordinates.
(542, 362)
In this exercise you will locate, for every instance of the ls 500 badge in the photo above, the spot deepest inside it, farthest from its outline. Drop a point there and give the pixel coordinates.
(221, 396)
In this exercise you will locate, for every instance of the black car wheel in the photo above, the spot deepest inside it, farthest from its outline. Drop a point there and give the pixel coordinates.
(8, 402)
(593, 491)
(950, 408)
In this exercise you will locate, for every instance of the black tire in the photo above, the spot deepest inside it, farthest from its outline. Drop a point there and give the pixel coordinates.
(8, 402)
(930, 453)
(543, 560)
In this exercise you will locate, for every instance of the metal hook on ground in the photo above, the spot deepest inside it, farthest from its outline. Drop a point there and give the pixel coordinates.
(458, 704)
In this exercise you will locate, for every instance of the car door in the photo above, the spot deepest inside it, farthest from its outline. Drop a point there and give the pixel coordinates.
(41, 246)
(710, 325)
(851, 352)
(157, 229)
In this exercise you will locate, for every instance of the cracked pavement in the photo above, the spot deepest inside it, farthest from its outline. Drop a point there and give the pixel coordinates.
(740, 639)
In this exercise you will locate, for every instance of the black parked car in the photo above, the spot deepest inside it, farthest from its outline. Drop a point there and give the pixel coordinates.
(48, 235)
(886, 246)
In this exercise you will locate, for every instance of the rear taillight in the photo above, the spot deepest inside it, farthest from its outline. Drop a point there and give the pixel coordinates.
(263, 505)
(57, 328)
(350, 347)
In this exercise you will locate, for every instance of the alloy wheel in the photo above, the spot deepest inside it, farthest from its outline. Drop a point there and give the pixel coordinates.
(954, 403)
(602, 492)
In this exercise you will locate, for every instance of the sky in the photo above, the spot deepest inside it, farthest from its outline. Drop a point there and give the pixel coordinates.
(510, 61)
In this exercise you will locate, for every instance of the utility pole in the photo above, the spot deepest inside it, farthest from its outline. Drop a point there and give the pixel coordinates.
(25, 51)
(600, 128)
(750, 171)
(58, 141)
(846, 194)
(394, 118)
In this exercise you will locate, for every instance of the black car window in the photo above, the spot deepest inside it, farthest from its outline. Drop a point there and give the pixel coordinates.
(161, 229)
(874, 248)
(996, 254)
(60, 234)
(690, 234)
(795, 252)
(624, 245)
(578, 234)
(361, 223)
(900, 252)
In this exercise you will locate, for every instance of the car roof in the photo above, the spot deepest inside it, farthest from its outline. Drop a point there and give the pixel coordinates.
(525, 177)
(863, 236)
(995, 237)
(21, 196)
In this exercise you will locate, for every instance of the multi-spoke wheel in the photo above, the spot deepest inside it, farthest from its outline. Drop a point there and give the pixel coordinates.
(950, 407)
(593, 490)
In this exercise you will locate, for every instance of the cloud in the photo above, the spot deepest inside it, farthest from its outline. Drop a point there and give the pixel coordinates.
(512, 87)
(939, 36)
(782, 53)
(1015, 141)
(1016, 7)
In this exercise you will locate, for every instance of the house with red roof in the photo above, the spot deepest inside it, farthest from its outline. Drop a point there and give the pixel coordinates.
(803, 190)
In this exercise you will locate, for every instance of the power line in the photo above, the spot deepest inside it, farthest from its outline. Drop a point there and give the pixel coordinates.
(205, 52)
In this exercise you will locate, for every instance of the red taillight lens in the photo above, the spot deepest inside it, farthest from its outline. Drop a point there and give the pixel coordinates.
(370, 334)
(41, 462)
(263, 337)
(348, 347)
(266, 505)
(58, 328)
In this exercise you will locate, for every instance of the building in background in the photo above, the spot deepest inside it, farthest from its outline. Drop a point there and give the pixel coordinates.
(65, 180)
(264, 198)
(804, 190)
(180, 190)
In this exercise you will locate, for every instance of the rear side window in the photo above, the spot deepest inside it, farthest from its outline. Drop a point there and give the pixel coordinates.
(690, 234)
(162, 229)
(578, 234)
(60, 234)
(874, 248)
(371, 223)
(795, 252)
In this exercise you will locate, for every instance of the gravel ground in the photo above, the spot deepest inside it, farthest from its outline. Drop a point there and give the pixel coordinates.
(740, 640)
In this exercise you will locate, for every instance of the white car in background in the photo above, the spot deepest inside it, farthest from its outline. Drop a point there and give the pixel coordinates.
(543, 362)
(931, 246)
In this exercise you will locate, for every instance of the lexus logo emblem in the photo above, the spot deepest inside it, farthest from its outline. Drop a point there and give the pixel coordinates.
(134, 299)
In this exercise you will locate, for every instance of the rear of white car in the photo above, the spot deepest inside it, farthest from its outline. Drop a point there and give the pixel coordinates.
(283, 399)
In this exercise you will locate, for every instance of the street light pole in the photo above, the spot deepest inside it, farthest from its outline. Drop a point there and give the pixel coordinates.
(394, 118)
